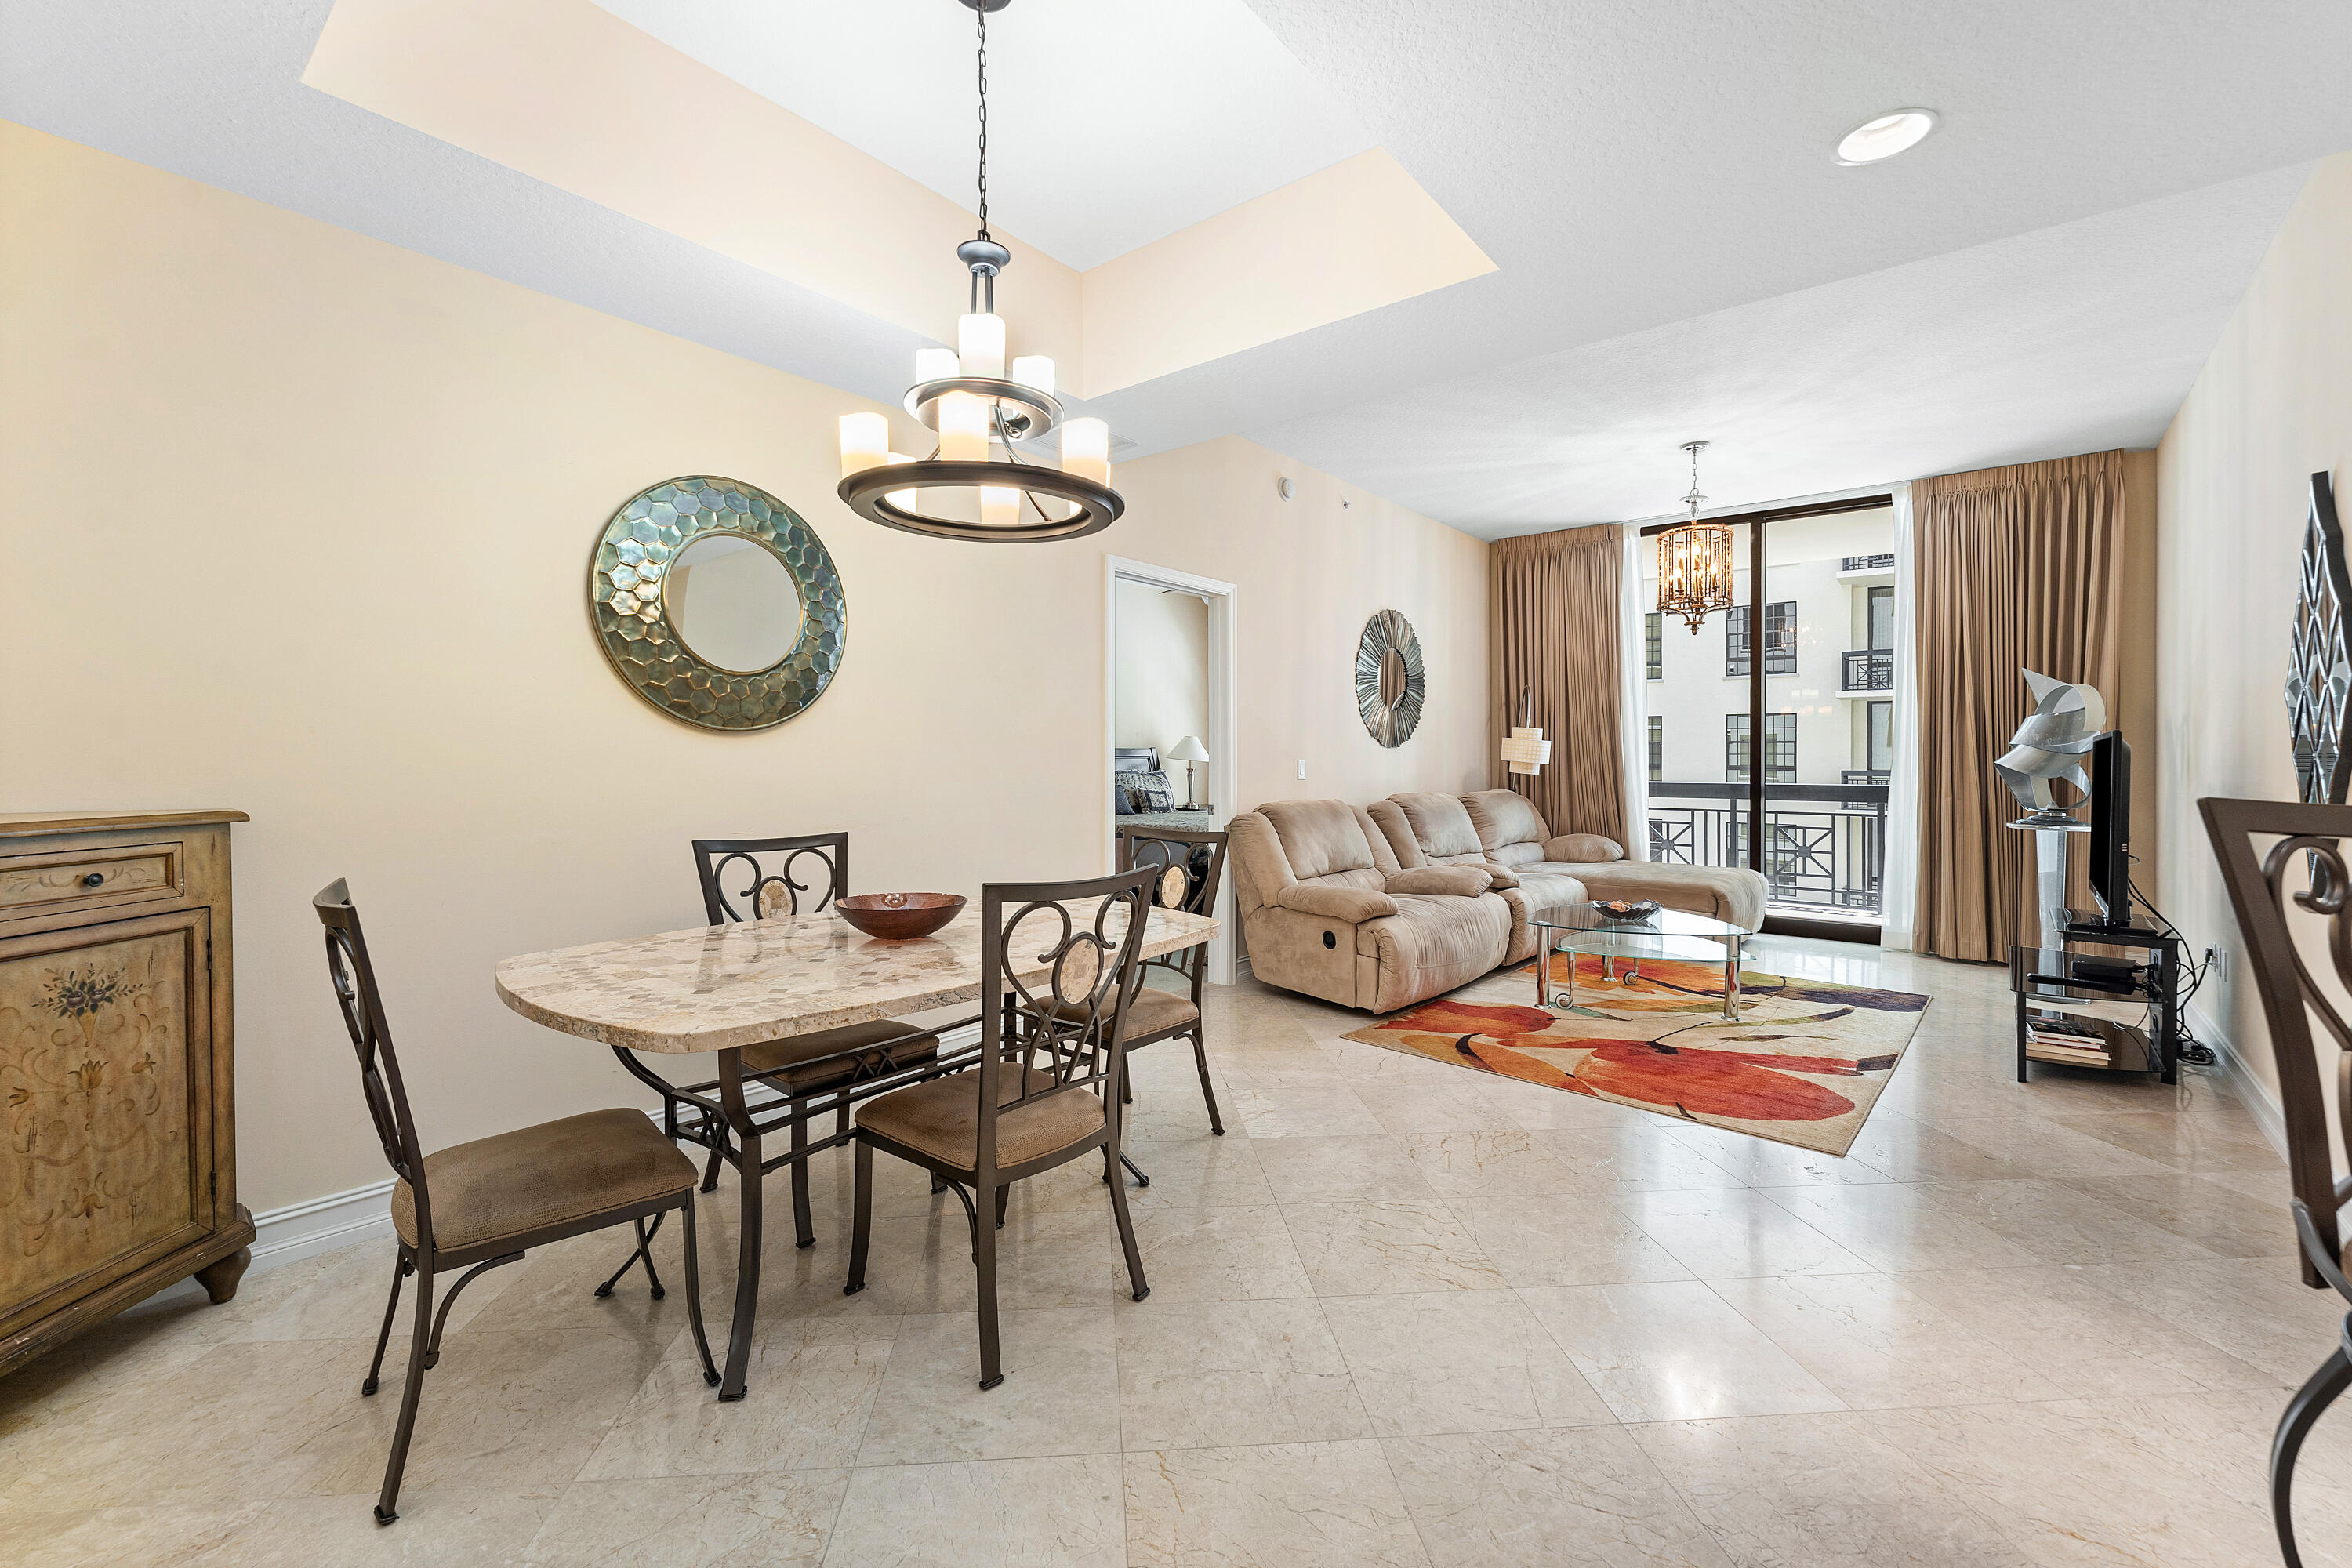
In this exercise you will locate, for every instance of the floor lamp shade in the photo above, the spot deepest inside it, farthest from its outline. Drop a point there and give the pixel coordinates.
(1526, 750)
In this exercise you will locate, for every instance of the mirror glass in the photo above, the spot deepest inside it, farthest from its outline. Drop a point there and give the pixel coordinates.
(732, 603)
(1393, 678)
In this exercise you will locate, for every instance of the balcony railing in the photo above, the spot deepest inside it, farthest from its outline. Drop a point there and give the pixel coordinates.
(1861, 799)
(1869, 562)
(1824, 844)
(1868, 670)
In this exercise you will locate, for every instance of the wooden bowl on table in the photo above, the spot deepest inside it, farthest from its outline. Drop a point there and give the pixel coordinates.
(899, 917)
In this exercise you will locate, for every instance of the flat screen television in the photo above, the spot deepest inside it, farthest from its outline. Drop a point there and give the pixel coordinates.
(2111, 828)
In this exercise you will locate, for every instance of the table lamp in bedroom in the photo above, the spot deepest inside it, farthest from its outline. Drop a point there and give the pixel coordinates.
(1189, 750)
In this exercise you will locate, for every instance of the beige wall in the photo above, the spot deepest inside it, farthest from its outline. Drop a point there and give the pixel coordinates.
(1308, 572)
(2273, 406)
(310, 518)
(1162, 664)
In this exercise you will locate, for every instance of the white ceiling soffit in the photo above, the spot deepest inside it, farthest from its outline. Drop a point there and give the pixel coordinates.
(1111, 122)
(1627, 164)
(2077, 338)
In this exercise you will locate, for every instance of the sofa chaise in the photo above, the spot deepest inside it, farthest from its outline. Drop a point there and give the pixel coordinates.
(1380, 907)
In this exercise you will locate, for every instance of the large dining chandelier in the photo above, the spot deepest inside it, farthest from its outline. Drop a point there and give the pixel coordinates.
(1695, 559)
(986, 478)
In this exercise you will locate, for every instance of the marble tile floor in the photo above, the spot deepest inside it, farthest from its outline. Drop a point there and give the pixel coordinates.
(1400, 1314)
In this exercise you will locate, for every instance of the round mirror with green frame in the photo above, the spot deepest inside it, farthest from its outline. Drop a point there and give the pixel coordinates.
(717, 604)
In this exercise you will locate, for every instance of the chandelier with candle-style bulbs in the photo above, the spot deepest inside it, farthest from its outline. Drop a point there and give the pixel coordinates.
(1695, 559)
(986, 479)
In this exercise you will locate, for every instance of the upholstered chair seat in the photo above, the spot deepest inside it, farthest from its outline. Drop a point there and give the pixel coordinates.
(941, 1118)
(509, 1184)
(1151, 1011)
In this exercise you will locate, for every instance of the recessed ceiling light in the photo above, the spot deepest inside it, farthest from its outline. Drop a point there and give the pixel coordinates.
(1898, 130)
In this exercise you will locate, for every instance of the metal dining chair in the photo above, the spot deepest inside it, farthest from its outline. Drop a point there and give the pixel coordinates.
(480, 1205)
(807, 1071)
(1043, 1091)
(1189, 867)
(2309, 837)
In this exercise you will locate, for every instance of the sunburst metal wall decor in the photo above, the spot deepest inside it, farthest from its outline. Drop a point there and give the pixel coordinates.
(2319, 674)
(1390, 682)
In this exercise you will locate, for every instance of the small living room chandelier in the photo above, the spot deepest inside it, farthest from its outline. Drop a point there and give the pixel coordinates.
(985, 480)
(1695, 559)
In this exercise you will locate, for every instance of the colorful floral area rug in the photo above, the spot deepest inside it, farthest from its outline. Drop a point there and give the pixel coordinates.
(1804, 1065)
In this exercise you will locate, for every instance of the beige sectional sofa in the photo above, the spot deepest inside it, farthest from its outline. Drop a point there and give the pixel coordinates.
(1381, 907)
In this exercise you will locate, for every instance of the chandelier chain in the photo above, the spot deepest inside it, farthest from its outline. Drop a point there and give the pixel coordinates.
(983, 124)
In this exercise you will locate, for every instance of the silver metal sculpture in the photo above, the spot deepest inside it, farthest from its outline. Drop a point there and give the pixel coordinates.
(2051, 745)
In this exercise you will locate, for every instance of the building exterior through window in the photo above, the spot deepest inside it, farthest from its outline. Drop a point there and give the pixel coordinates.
(1828, 646)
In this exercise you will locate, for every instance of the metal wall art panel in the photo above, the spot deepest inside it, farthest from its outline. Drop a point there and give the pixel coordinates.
(633, 623)
(2319, 673)
(1390, 682)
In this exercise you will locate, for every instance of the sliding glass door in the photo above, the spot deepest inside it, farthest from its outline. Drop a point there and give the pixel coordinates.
(1780, 712)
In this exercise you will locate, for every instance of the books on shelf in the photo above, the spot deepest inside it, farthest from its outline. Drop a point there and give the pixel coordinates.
(2055, 1038)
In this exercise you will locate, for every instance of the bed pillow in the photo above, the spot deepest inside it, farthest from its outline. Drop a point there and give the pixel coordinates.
(1143, 792)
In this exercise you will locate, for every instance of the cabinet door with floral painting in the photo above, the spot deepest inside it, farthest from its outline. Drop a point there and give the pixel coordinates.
(105, 1090)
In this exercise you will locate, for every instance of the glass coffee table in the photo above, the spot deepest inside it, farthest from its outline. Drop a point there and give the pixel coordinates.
(1666, 934)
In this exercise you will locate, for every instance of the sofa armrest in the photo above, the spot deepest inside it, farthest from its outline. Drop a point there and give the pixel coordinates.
(1452, 881)
(1349, 904)
(1582, 849)
(1500, 876)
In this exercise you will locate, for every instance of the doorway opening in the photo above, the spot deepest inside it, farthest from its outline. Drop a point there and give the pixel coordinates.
(1169, 645)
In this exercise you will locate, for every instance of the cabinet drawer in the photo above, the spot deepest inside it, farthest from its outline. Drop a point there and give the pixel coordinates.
(91, 878)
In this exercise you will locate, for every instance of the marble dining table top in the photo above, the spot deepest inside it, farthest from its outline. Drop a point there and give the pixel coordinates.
(717, 988)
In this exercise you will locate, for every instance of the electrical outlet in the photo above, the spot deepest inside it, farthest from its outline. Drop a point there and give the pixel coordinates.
(2220, 957)
(1302, 767)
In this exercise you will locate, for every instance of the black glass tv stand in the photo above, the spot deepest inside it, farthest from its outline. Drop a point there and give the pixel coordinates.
(2130, 1004)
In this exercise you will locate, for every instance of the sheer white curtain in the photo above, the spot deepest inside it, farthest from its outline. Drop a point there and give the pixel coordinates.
(1633, 700)
(1899, 882)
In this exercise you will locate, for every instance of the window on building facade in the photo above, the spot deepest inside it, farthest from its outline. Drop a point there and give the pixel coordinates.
(1779, 748)
(1654, 629)
(1780, 638)
(1657, 744)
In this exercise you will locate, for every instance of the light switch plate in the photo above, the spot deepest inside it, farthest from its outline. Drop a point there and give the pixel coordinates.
(1302, 767)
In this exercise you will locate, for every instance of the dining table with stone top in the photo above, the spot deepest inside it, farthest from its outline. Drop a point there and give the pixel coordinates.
(721, 988)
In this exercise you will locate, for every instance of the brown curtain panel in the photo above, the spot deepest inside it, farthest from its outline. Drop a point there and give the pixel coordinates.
(1552, 603)
(2016, 568)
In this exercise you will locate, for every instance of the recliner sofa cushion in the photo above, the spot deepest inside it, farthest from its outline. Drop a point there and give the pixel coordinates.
(1431, 945)
(1323, 838)
(1583, 847)
(1731, 893)
(1506, 820)
(1349, 904)
(1456, 881)
(1440, 826)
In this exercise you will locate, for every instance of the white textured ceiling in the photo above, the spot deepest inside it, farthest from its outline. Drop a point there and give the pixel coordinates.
(1111, 122)
(1677, 255)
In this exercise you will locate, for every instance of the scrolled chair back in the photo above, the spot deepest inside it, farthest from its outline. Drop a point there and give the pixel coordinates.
(1057, 1032)
(2308, 837)
(753, 879)
(353, 977)
(1187, 869)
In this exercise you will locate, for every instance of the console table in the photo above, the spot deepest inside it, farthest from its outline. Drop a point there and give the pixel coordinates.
(116, 1086)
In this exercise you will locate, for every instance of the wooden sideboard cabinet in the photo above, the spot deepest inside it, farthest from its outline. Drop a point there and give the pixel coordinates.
(118, 1174)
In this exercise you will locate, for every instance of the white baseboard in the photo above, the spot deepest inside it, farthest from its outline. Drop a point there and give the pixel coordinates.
(2258, 1098)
